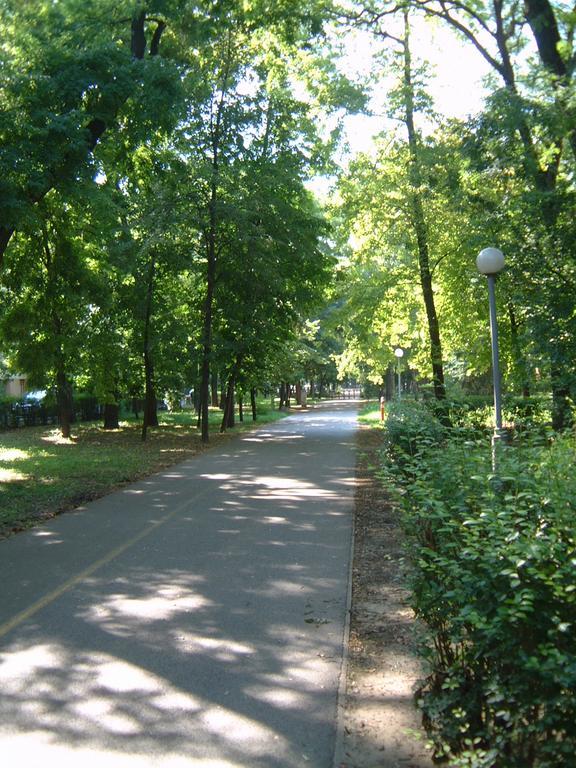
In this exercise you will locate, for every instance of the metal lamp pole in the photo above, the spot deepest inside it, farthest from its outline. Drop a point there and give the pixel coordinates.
(490, 261)
(399, 354)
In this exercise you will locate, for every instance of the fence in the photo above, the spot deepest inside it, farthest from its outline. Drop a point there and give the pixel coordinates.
(349, 393)
(14, 415)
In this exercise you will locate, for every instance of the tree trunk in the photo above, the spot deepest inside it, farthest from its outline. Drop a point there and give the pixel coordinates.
(240, 408)
(282, 395)
(63, 398)
(520, 364)
(150, 404)
(111, 416)
(253, 403)
(562, 417)
(5, 235)
(196, 397)
(150, 400)
(214, 389)
(389, 383)
(228, 415)
(207, 329)
(216, 120)
(541, 17)
(298, 393)
(419, 223)
(222, 399)
(231, 422)
(64, 401)
(542, 21)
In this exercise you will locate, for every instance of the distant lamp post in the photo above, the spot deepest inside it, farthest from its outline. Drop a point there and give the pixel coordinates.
(490, 261)
(399, 354)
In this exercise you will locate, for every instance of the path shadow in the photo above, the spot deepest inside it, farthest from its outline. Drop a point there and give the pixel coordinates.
(218, 640)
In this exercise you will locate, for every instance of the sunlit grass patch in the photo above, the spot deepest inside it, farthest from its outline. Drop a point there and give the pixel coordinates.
(54, 436)
(12, 475)
(12, 454)
(370, 414)
(47, 474)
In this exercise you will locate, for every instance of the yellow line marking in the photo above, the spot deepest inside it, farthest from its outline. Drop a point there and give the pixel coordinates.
(74, 580)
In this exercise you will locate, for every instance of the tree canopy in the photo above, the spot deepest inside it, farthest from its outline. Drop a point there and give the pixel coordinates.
(158, 233)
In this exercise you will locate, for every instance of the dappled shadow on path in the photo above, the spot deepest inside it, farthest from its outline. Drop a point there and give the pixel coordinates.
(216, 638)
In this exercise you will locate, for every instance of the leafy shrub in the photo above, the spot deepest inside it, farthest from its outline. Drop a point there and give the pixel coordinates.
(410, 429)
(474, 414)
(529, 414)
(493, 580)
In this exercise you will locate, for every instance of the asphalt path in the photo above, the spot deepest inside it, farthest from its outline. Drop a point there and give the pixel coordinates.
(195, 618)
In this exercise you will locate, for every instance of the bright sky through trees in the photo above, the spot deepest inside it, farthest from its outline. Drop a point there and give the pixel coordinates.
(456, 75)
(456, 86)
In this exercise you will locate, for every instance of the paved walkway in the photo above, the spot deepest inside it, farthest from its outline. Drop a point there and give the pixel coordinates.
(195, 618)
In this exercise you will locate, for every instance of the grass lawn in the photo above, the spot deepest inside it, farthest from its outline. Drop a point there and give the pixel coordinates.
(370, 414)
(41, 474)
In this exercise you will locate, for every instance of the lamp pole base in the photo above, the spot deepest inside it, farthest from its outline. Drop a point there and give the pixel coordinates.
(499, 438)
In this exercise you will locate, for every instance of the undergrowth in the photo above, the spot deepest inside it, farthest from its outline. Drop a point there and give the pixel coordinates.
(494, 556)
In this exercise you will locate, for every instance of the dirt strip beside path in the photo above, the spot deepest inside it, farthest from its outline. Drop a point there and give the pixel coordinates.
(381, 725)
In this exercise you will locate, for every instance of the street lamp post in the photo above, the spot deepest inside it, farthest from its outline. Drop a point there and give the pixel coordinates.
(399, 354)
(490, 261)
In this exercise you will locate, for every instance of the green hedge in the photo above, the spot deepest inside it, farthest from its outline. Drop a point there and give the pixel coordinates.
(494, 564)
(475, 413)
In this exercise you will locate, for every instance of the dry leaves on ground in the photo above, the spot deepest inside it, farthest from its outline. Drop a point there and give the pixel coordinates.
(381, 724)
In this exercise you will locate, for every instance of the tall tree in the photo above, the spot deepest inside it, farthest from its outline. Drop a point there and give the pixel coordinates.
(238, 130)
(418, 217)
(70, 71)
(50, 283)
(526, 114)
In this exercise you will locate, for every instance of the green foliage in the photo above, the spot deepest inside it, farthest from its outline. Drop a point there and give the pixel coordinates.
(503, 177)
(117, 163)
(493, 559)
(471, 416)
(411, 429)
